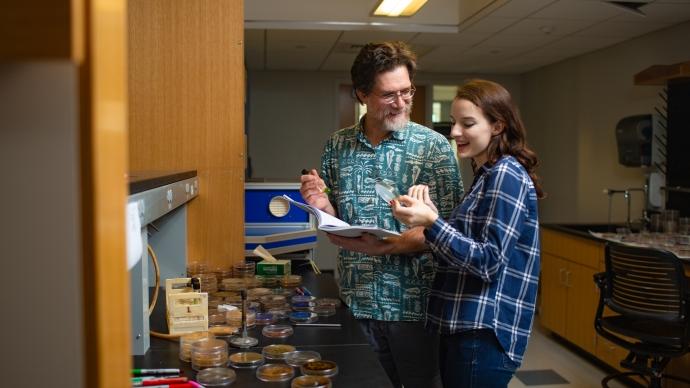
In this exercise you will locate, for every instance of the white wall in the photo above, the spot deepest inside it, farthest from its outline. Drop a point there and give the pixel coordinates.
(571, 109)
(40, 232)
(292, 114)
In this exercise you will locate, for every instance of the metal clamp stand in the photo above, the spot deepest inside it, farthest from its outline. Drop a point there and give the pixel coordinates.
(244, 340)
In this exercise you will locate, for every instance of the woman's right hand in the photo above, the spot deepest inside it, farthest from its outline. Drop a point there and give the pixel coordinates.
(421, 192)
(413, 212)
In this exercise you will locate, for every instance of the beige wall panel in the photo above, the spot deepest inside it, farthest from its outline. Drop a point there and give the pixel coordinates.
(187, 110)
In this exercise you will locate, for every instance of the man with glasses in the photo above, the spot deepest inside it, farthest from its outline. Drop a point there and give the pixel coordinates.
(385, 283)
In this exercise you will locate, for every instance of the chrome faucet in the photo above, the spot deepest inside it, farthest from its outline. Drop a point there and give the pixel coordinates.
(627, 194)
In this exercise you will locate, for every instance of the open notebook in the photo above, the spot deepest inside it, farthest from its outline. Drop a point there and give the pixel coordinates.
(334, 225)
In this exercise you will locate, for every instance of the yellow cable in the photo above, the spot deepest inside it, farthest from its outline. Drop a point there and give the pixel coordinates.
(152, 304)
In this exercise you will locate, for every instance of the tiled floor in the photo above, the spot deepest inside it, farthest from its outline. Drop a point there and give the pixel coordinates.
(547, 360)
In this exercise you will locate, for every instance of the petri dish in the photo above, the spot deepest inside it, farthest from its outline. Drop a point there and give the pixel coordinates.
(223, 330)
(301, 357)
(275, 372)
(186, 341)
(265, 318)
(216, 377)
(303, 299)
(277, 351)
(328, 302)
(320, 368)
(243, 360)
(208, 353)
(324, 310)
(303, 317)
(311, 382)
(277, 331)
(386, 191)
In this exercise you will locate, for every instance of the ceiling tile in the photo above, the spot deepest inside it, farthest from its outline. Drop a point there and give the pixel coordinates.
(505, 39)
(520, 8)
(558, 27)
(338, 62)
(656, 12)
(490, 24)
(364, 37)
(578, 10)
(463, 39)
(614, 29)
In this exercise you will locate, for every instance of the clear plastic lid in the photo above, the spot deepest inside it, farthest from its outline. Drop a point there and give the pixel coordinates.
(324, 310)
(275, 372)
(301, 357)
(303, 317)
(277, 351)
(320, 368)
(246, 360)
(277, 331)
(311, 382)
(216, 377)
(328, 302)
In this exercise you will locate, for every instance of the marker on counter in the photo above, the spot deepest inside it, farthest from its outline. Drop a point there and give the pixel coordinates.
(190, 384)
(324, 190)
(145, 382)
(163, 371)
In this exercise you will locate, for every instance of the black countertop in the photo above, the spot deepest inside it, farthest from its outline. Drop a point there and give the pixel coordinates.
(582, 230)
(347, 346)
(145, 180)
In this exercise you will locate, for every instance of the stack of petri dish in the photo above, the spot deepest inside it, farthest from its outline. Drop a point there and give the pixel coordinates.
(244, 269)
(216, 377)
(234, 318)
(222, 272)
(320, 368)
(243, 360)
(268, 281)
(311, 382)
(277, 331)
(209, 353)
(209, 283)
(265, 319)
(277, 351)
(272, 301)
(216, 317)
(196, 267)
(257, 293)
(275, 373)
(303, 317)
(301, 357)
(223, 330)
(186, 341)
(291, 281)
(303, 302)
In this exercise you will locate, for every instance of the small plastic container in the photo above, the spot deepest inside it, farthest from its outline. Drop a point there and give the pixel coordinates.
(216, 377)
(324, 310)
(303, 317)
(311, 382)
(209, 353)
(320, 368)
(329, 302)
(186, 341)
(277, 351)
(265, 319)
(277, 331)
(301, 357)
(223, 330)
(275, 373)
(245, 360)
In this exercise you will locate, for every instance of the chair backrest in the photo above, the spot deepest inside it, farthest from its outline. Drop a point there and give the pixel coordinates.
(645, 283)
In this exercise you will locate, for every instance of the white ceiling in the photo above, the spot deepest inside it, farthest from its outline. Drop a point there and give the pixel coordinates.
(449, 36)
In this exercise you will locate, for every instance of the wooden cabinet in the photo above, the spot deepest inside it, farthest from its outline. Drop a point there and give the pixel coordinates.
(568, 294)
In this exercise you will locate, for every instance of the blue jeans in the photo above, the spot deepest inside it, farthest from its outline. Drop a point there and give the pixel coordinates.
(474, 359)
(407, 352)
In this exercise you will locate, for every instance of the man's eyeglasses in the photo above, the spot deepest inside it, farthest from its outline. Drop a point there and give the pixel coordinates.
(391, 97)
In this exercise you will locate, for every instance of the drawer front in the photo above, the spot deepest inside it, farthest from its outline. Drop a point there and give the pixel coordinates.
(572, 248)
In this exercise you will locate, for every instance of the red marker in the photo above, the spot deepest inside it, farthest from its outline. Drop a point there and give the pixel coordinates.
(183, 385)
(153, 382)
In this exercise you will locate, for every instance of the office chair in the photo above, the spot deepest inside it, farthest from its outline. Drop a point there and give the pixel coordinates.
(647, 291)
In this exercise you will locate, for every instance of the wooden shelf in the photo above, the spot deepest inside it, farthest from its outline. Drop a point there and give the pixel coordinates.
(661, 74)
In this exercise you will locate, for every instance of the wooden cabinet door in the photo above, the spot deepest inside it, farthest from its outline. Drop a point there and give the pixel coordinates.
(583, 298)
(552, 311)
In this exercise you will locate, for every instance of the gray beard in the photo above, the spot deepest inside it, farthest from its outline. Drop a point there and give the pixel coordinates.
(397, 125)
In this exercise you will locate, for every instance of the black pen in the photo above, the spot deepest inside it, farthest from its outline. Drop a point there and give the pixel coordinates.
(324, 190)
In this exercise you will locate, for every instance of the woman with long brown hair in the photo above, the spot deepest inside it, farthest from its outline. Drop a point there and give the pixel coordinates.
(484, 292)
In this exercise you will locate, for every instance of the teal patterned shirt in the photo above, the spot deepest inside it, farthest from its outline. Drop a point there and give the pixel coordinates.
(391, 287)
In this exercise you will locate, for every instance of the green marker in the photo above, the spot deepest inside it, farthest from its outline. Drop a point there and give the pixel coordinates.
(168, 371)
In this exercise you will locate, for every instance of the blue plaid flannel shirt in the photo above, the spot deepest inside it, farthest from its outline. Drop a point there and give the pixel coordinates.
(487, 259)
